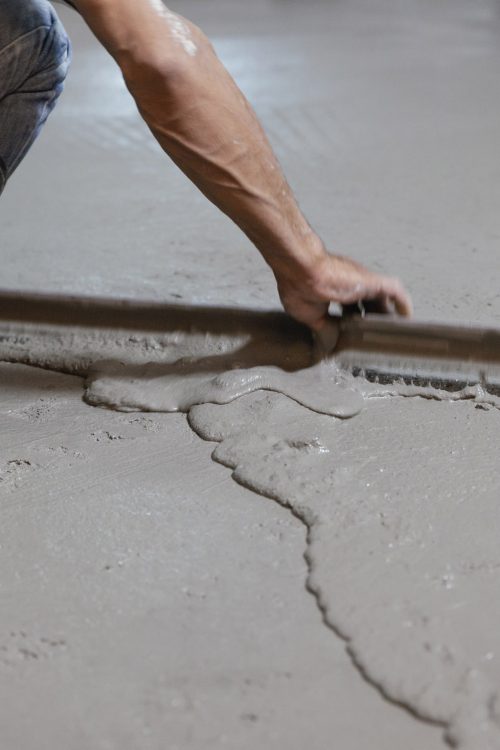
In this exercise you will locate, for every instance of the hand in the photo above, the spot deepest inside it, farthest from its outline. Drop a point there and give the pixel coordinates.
(341, 280)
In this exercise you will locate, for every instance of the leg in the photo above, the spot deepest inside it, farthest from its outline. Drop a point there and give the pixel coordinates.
(34, 59)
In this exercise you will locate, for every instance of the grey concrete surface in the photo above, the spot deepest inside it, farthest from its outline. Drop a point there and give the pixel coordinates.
(147, 601)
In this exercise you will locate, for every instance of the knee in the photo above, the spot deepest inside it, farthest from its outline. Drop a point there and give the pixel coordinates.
(51, 45)
(33, 43)
(55, 56)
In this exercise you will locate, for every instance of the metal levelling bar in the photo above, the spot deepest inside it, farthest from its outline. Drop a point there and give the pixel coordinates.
(448, 356)
(68, 310)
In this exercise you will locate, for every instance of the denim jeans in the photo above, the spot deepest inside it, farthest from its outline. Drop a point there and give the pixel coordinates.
(34, 58)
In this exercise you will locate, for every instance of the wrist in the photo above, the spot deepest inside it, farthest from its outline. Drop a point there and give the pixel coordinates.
(300, 262)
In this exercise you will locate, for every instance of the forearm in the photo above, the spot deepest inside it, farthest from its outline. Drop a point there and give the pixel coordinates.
(207, 127)
(202, 120)
(205, 124)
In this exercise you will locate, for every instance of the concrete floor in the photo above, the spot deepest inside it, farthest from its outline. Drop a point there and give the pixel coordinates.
(147, 601)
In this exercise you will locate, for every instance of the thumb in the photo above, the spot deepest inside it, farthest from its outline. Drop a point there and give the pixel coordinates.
(327, 336)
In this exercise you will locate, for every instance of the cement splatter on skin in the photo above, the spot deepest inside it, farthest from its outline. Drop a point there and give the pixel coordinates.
(179, 29)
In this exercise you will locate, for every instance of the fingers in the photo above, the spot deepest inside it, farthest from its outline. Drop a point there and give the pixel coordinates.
(358, 308)
(405, 306)
(326, 338)
(347, 283)
(384, 297)
(353, 283)
(316, 316)
(318, 324)
(399, 297)
(382, 305)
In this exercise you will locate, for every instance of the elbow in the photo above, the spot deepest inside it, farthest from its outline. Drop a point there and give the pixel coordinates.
(165, 69)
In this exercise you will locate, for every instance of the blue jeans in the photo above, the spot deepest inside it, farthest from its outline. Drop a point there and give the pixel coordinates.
(34, 58)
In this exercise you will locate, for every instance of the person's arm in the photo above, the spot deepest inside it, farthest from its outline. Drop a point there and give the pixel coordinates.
(205, 124)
